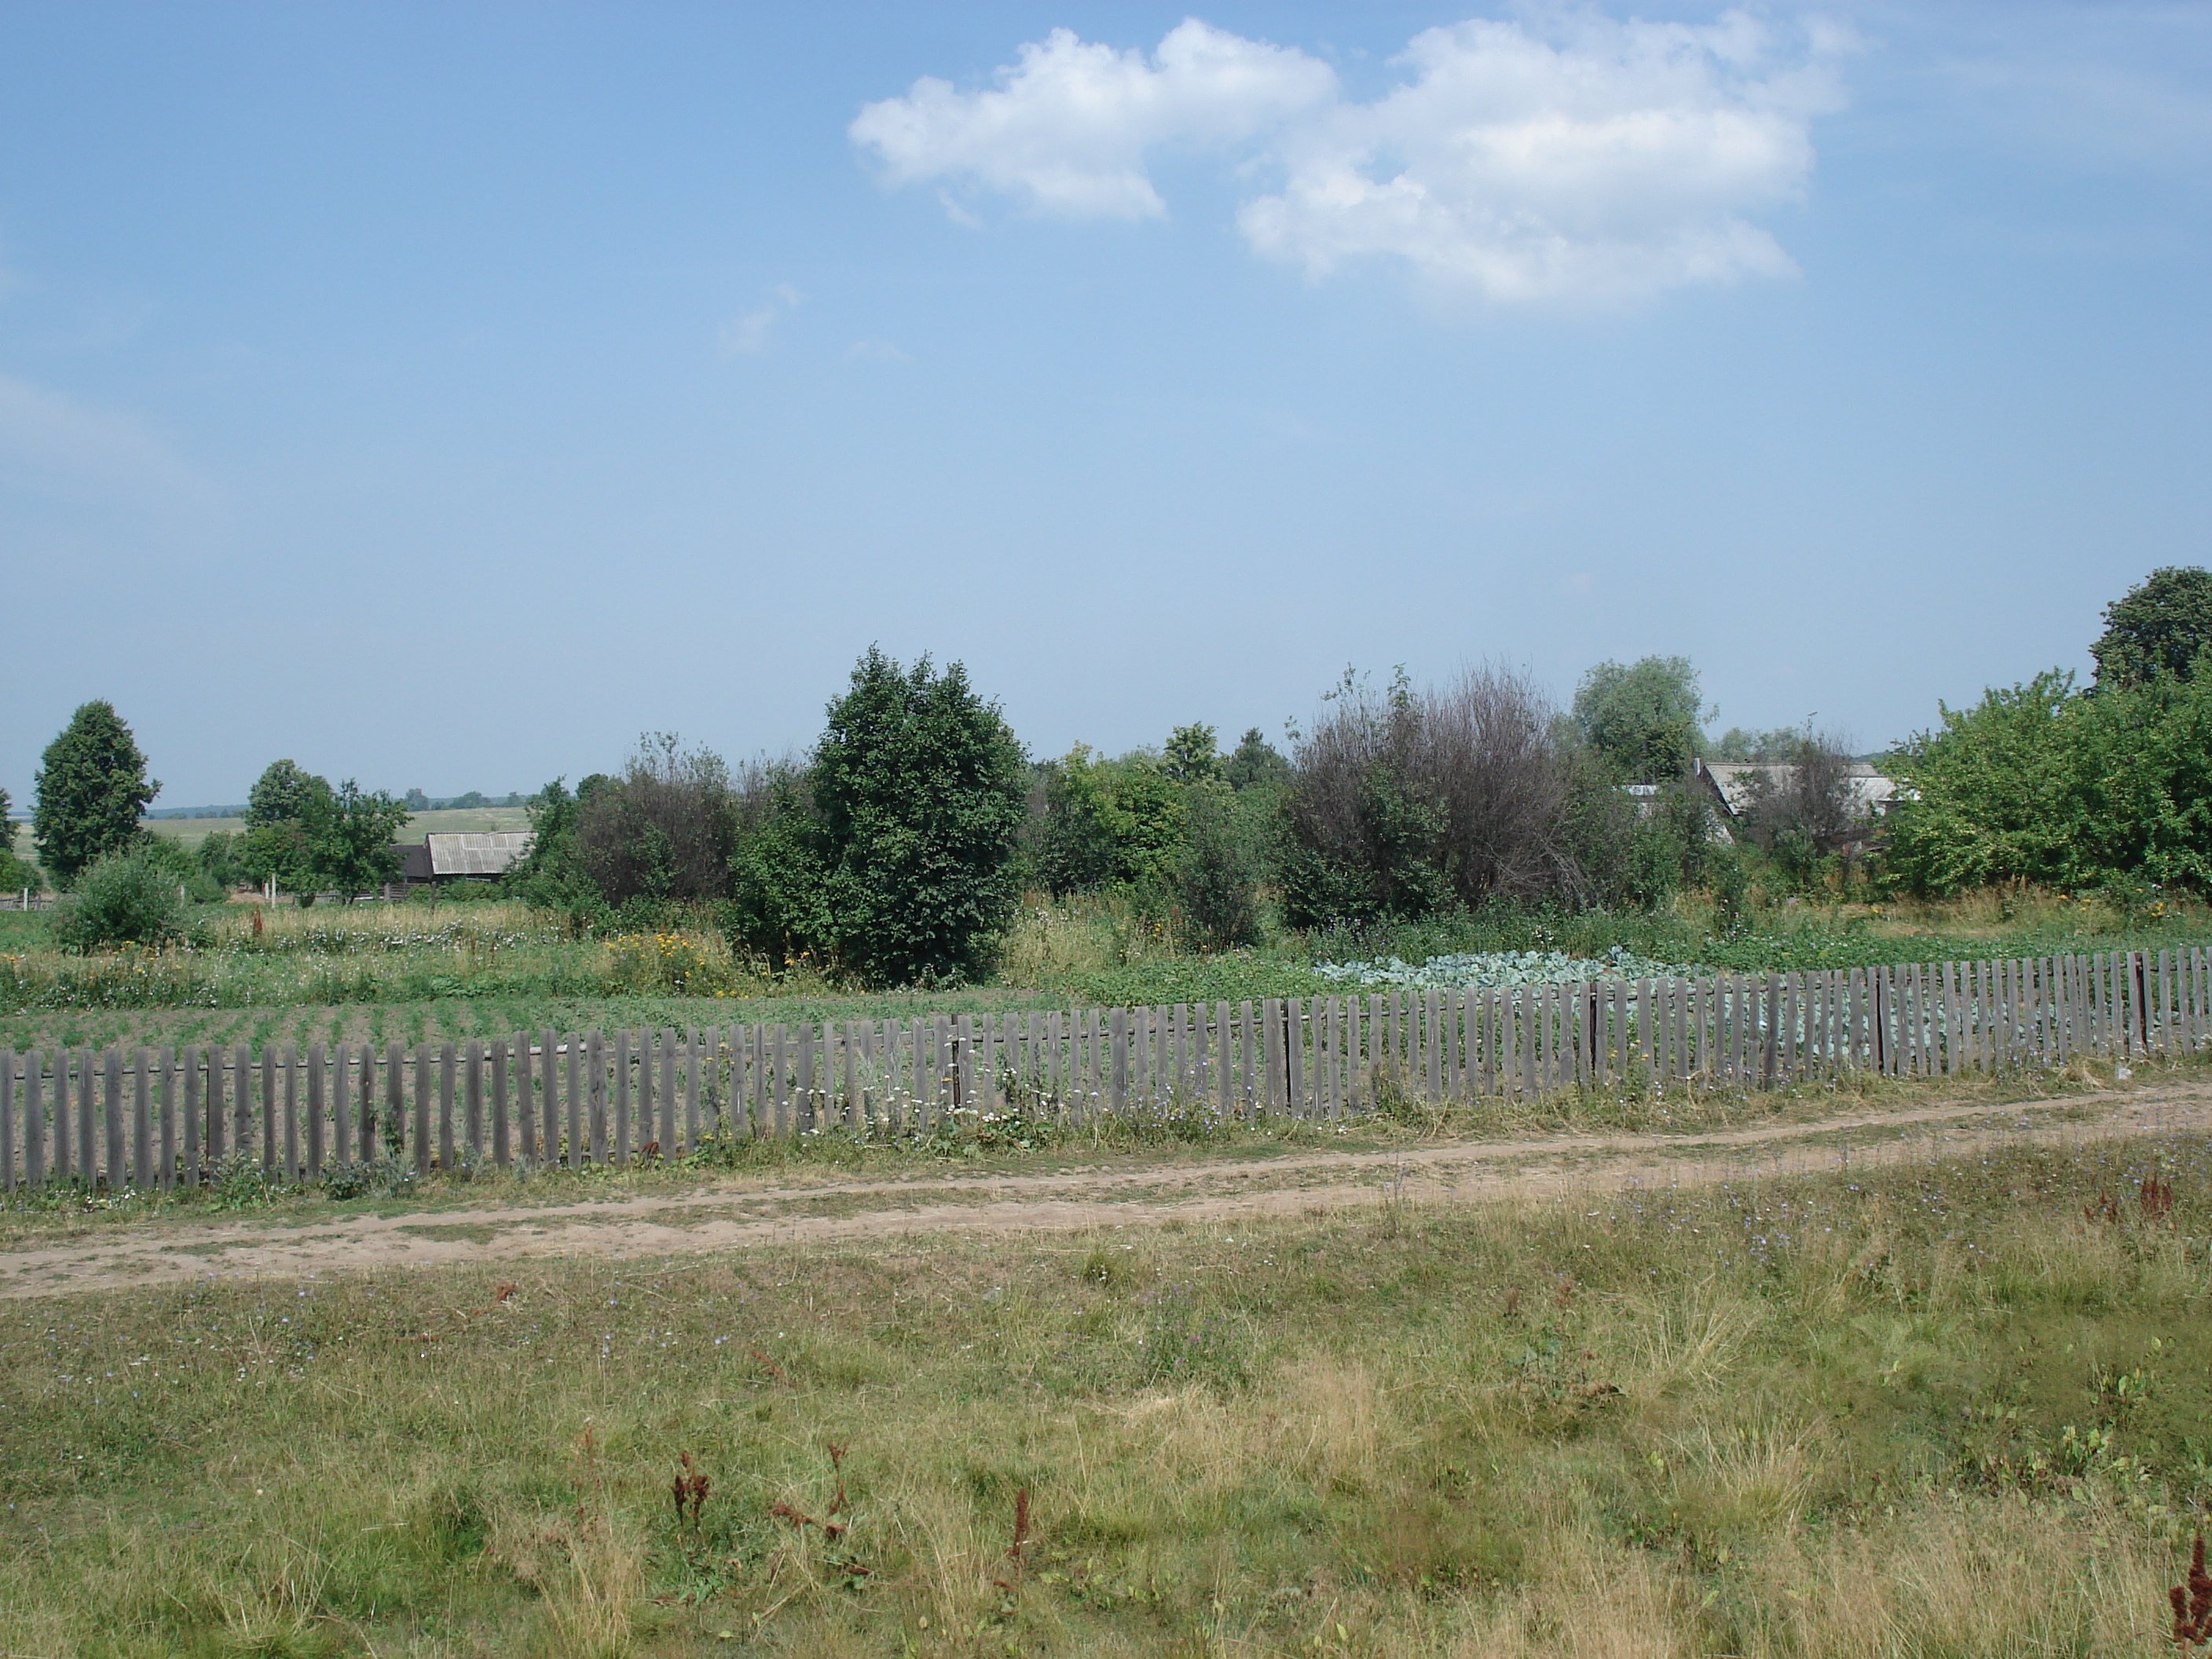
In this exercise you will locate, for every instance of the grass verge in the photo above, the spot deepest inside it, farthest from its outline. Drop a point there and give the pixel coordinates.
(1953, 1408)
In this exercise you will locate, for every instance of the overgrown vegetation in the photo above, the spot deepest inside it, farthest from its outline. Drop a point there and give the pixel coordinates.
(1470, 815)
(1948, 1406)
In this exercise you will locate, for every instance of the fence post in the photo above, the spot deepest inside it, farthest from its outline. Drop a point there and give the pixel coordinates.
(112, 1105)
(8, 1117)
(472, 1102)
(499, 1119)
(315, 1091)
(341, 1135)
(34, 1114)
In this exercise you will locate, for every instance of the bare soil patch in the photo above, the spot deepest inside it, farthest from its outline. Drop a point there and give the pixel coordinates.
(735, 1213)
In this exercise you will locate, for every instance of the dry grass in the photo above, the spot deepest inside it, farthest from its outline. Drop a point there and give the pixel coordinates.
(1935, 1409)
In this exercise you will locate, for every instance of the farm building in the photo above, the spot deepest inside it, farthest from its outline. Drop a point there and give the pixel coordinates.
(454, 858)
(1731, 784)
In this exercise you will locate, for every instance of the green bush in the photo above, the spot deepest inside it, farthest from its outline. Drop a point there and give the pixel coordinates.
(126, 898)
(1108, 823)
(2045, 784)
(920, 791)
(1217, 874)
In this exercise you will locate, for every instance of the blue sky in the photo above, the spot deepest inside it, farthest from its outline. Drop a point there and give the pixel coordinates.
(442, 395)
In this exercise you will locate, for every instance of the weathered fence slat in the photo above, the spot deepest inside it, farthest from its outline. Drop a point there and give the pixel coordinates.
(64, 1115)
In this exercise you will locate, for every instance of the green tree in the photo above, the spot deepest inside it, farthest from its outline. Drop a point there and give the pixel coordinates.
(1189, 756)
(92, 785)
(552, 873)
(285, 792)
(2041, 783)
(350, 839)
(2160, 626)
(920, 791)
(1643, 719)
(287, 809)
(1219, 867)
(1254, 764)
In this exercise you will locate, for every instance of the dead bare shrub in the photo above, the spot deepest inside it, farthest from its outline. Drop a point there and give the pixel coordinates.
(664, 830)
(1407, 803)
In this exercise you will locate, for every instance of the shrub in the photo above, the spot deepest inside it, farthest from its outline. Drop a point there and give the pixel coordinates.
(1405, 804)
(1629, 855)
(664, 830)
(1103, 824)
(778, 907)
(1218, 872)
(919, 790)
(127, 898)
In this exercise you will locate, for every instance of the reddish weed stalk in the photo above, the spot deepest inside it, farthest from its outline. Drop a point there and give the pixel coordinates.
(2154, 1197)
(689, 1490)
(1021, 1537)
(800, 1519)
(2153, 1203)
(2192, 1603)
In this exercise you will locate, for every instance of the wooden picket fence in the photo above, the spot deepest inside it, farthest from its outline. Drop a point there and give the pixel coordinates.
(153, 1118)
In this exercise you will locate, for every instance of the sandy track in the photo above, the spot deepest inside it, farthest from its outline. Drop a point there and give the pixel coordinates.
(736, 1214)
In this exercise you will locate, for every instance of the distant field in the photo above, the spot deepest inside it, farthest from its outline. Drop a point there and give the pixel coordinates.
(471, 821)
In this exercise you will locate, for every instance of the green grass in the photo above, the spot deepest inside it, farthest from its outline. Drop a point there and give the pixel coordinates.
(1931, 1411)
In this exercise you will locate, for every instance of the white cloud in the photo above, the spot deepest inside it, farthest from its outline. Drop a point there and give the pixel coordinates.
(1068, 126)
(874, 351)
(1571, 157)
(748, 335)
(52, 442)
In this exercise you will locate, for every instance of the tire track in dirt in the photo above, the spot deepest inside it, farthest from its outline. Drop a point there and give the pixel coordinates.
(735, 1217)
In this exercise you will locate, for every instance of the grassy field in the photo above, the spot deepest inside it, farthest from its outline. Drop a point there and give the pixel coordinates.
(468, 821)
(1954, 1408)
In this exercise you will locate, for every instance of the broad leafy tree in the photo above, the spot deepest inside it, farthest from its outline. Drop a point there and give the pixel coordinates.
(92, 785)
(2162, 625)
(286, 810)
(1190, 756)
(1643, 719)
(349, 840)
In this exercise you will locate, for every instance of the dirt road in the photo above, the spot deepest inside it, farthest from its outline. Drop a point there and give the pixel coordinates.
(739, 1212)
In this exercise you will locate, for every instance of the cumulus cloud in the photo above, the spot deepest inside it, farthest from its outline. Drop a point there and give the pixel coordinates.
(1568, 157)
(1068, 126)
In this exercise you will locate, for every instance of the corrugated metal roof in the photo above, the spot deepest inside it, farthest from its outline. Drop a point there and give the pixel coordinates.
(1871, 793)
(476, 855)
